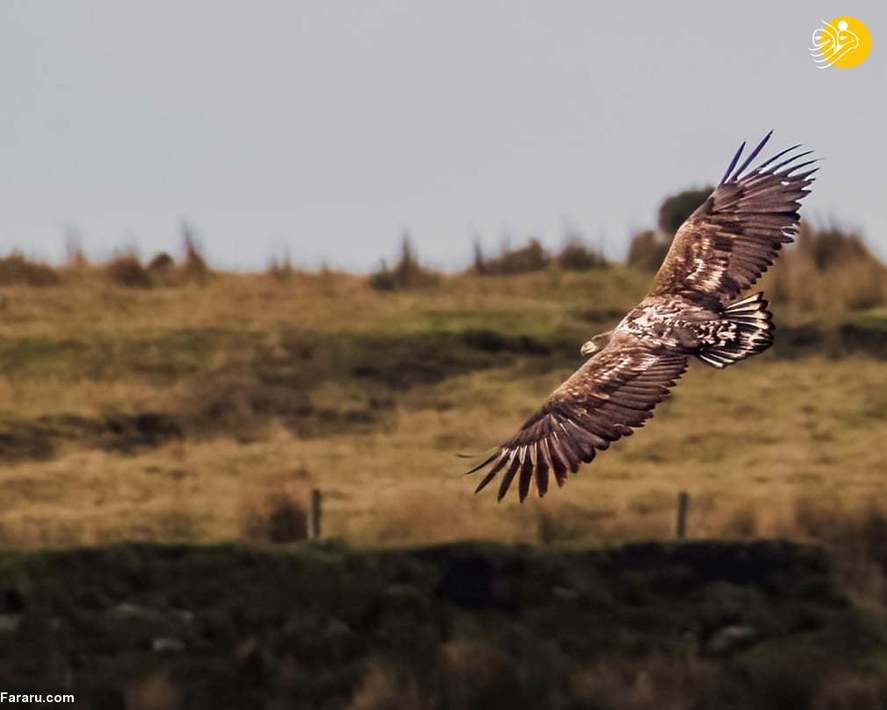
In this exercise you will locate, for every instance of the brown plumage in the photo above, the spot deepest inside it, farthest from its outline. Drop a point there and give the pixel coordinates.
(719, 251)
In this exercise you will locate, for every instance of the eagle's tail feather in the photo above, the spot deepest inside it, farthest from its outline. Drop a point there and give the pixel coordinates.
(747, 330)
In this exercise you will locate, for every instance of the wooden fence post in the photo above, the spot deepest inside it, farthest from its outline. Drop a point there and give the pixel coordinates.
(683, 506)
(316, 501)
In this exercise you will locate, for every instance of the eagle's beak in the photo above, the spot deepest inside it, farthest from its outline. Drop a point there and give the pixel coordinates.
(588, 349)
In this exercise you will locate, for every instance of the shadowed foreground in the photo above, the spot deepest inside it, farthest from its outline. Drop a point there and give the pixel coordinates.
(693, 625)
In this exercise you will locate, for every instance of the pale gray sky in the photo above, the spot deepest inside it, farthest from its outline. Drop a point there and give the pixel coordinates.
(326, 127)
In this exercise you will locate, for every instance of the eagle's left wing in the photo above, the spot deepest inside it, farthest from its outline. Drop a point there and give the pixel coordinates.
(601, 402)
(731, 239)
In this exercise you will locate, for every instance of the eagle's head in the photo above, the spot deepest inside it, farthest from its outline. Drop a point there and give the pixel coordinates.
(596, 344)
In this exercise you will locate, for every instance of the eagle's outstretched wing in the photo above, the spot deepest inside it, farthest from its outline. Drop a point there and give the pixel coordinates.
(612, 392)
(731, 239)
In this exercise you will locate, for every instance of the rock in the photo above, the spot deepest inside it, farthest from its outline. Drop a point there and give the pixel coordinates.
(730, 639)
(136, 612)
(165, 644)
(128, 611)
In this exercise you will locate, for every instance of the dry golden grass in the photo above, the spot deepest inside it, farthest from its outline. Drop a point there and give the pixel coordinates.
(747, 443)
(322, 301)
(747, 446)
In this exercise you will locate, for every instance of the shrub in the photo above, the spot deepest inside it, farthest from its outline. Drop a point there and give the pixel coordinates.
(406, 274)
(16, 270)
(161, 263)
(576, 256)
(126, 270)
(162, 270)
(383, 279)
(529, 258)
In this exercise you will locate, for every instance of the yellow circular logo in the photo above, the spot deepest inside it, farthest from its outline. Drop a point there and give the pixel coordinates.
(841, 42)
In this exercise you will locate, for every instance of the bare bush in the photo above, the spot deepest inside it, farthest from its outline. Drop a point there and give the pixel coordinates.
(194, 267)
(280, 268)
(479, 264)
(126, 270)
(578, 256)
(407, 273)
(523, 260)
(17, 270)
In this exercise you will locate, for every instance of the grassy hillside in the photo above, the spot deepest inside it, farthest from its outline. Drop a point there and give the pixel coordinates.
(177, 413)
(202, 411)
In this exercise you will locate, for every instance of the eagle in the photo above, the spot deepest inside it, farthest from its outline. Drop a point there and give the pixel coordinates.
(692, 310)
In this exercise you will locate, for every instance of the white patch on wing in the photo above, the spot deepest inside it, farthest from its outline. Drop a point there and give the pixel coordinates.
(707, 272)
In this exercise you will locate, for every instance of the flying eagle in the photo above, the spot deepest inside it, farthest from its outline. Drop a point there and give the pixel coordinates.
(692, 310)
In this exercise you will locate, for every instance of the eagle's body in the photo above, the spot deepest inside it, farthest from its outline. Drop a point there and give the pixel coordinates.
(691, 311)
(680, 324)
(674, 322)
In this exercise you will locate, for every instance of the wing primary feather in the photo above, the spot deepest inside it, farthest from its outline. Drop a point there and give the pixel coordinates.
(568, 446)
(554, 463)
(486, 461)
(541, 472)
(546, 454)
(804, 176)
(732, 164)
(526, 475)
(775, 157)
(788, 171)
(493, 471)
(785, 162)
(509, 475)
(751, 156)
(560, 457)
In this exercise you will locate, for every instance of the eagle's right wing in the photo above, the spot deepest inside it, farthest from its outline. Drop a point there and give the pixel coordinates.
(731, 239)
(601, 402)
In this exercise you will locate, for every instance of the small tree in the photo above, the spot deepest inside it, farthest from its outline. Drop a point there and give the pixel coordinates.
(479, 265)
